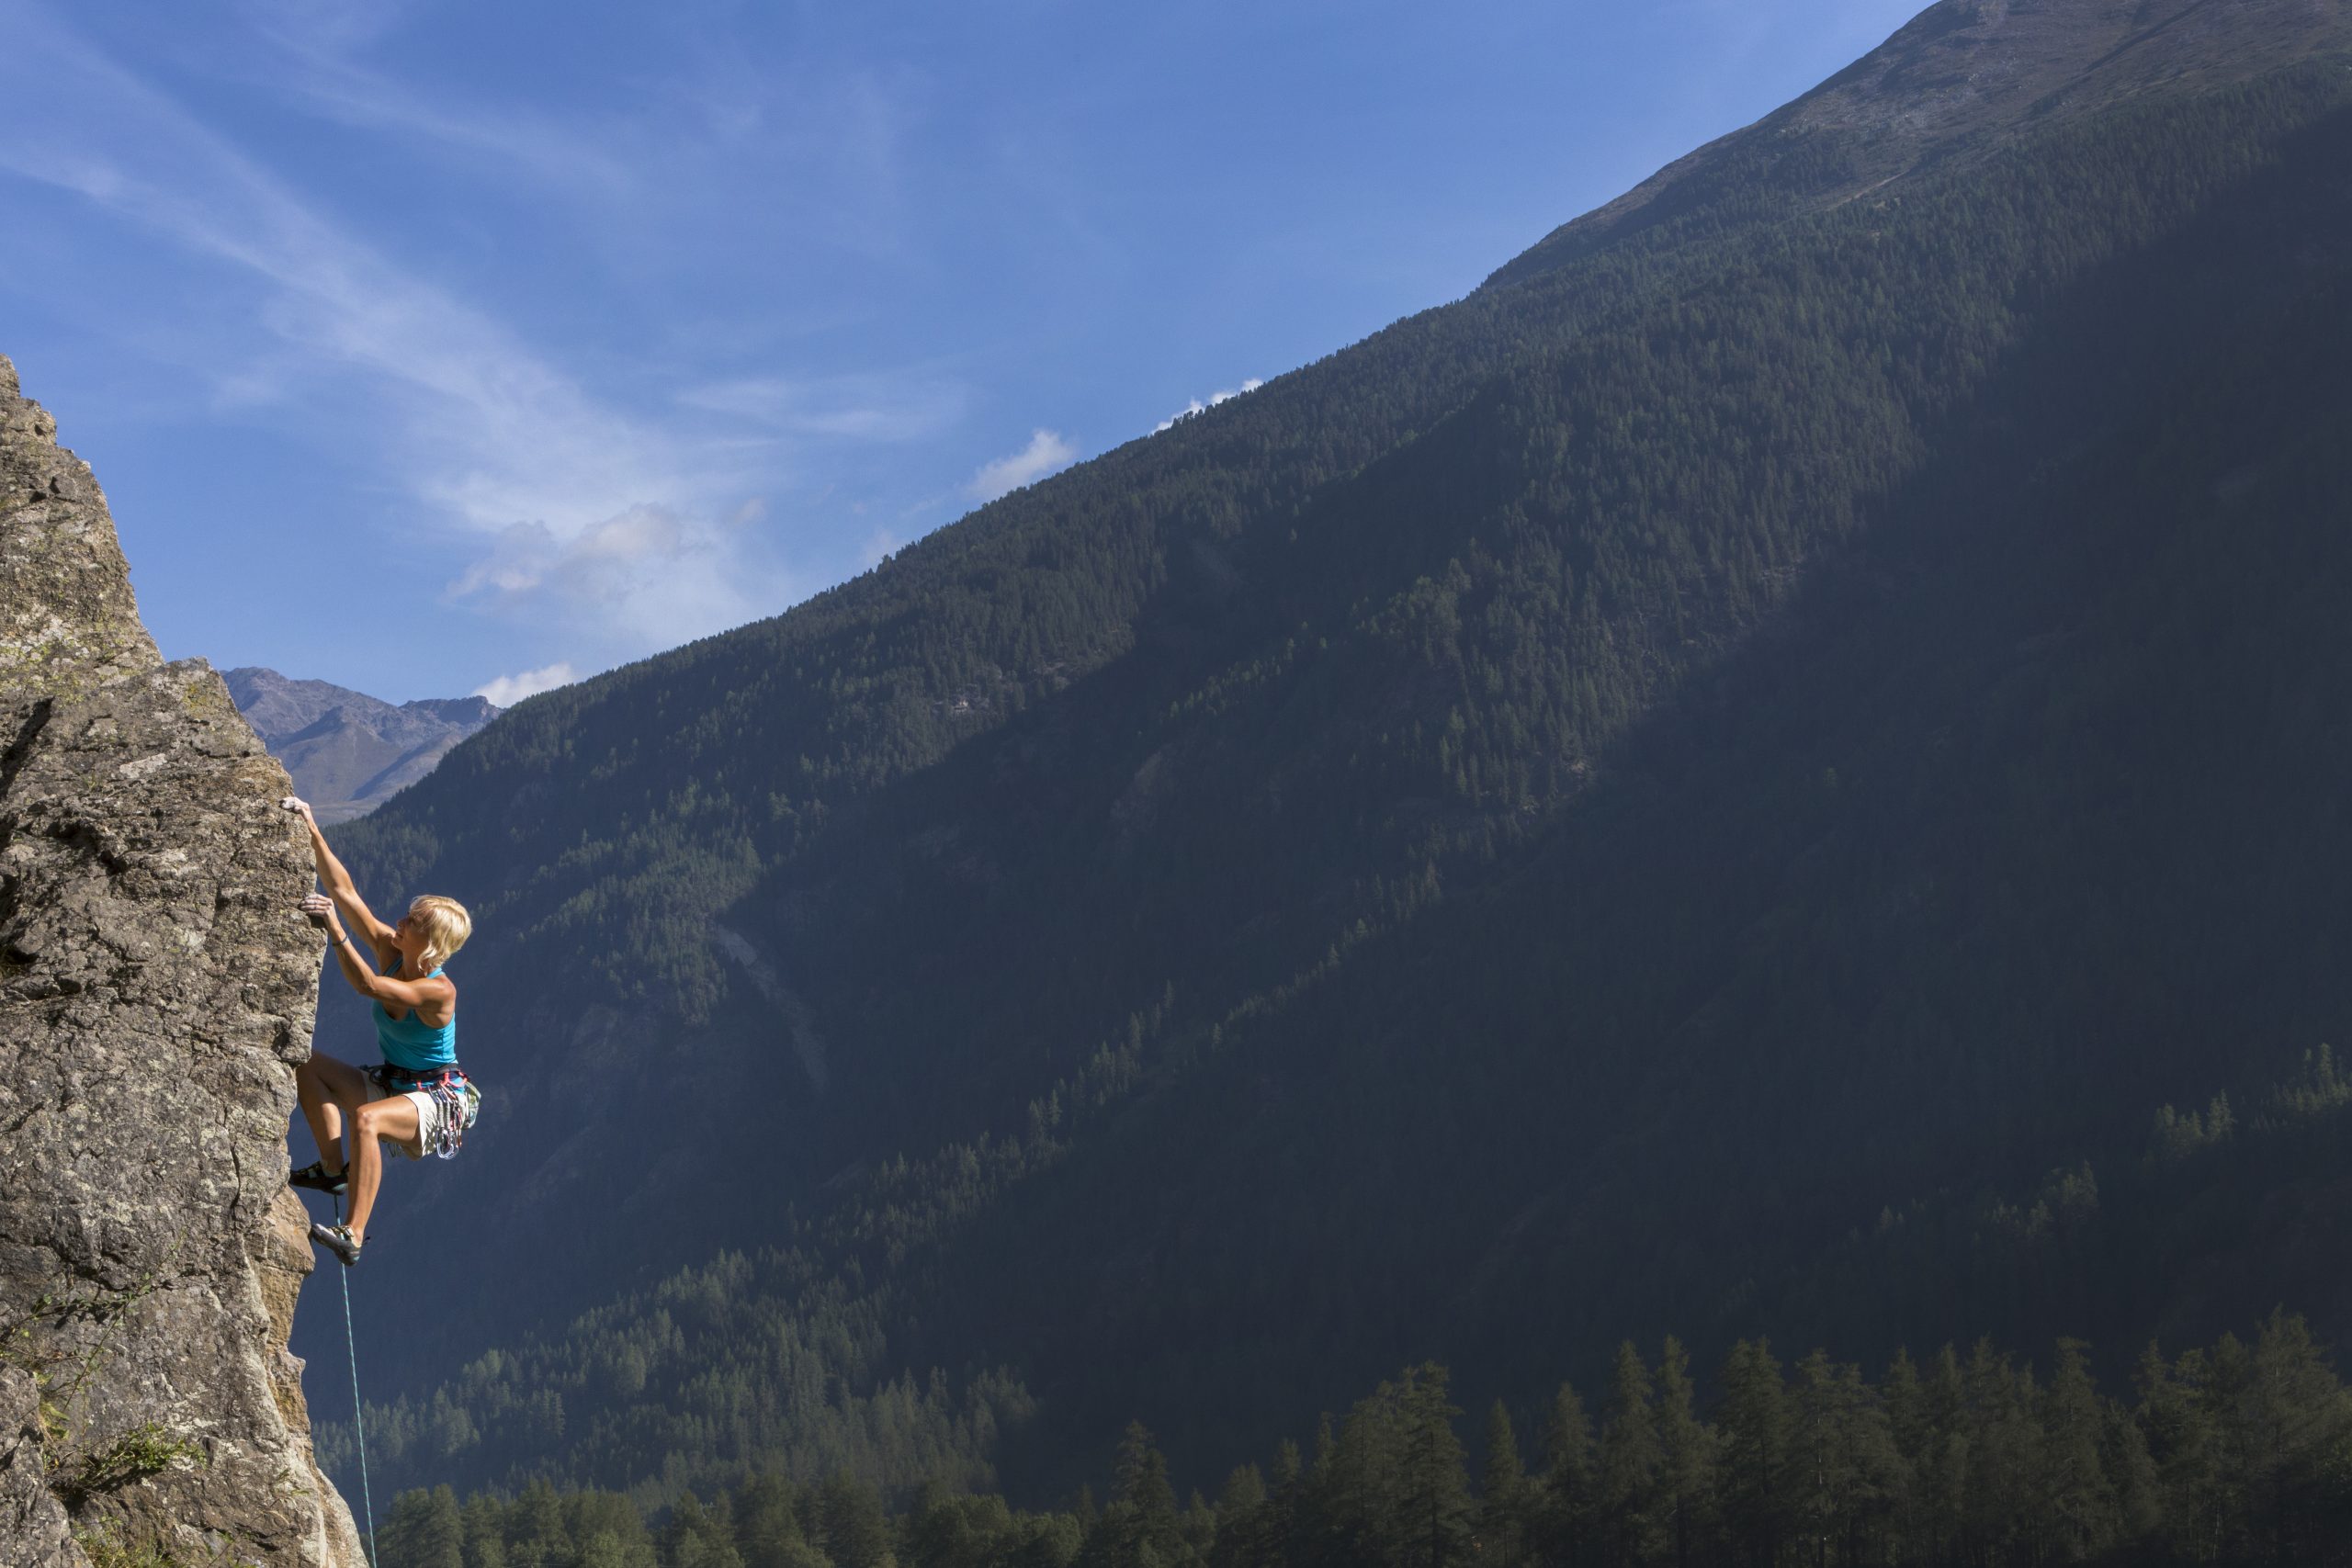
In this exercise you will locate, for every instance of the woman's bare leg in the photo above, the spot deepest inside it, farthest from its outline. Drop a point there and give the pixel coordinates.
(394, 1118)
(322, 1084)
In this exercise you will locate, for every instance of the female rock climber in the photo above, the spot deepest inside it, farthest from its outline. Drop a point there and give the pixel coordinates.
(418, 1099)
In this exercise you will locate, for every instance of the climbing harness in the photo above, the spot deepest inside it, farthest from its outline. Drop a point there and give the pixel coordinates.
(448, 1088)
(358, 1417)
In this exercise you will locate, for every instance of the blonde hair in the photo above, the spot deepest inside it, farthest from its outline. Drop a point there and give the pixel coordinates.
(446, 927)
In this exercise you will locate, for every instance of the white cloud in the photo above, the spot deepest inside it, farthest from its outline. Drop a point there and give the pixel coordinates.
(608, 508)
(1194, 405)
(507, 690)
(640, 576)
(1047, 450)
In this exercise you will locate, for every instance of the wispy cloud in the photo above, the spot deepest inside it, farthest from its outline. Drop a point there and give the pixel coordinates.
(507, 690)
(1196, 406)
(881, 408)
(576, 495)
(1047, 450)
(879, 546)
(313, 60)
(326, 26)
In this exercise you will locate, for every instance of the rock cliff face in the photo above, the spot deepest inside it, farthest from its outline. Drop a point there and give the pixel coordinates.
(156, 989)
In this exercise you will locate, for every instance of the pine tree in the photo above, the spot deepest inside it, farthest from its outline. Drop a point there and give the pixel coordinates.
(2075, 1498)
(1502, 1494)
(946, 1530)
(1248, 1521)
(854, 1528)
(1752, 1431)
(768, 1525)
(535, 1528)
(1287, 1536)
(2182, 1444)
(1844, 1460)
(1141, 1528)
(1687, 1461)
(1434, 1498)
(1630, 1459)
(2124, 1457)
(1141, 1479)
(1939, 1479)
(611, 1532)
(2298, 1439)
(1196, 1528)
(1320, 1530)
(2003, 1441)
(485, 1523)
(604, 1549)
(697, 1537)
(425, 1529)
(1909, 1429)
(1568, 1515)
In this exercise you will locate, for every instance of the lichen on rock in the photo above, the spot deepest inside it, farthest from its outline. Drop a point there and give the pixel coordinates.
(156, 989)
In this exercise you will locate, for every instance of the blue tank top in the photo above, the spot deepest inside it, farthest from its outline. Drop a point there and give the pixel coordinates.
(414, 1044)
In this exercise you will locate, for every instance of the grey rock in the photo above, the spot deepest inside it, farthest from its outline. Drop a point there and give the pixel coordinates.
(156, 989)
(33, 1526)
(67, 620)
(350, 752)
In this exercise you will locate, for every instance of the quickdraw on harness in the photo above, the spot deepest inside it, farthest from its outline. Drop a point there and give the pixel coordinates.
(448, 1088)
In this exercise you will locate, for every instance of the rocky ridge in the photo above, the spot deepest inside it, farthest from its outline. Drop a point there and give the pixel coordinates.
(350, 752)
(155, 992)
(1951, 84)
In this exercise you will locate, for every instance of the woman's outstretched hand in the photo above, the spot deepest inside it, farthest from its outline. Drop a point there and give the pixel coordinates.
(301, 808)
(320, 909)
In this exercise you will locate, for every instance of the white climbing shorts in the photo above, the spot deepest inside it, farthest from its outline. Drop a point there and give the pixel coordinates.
(445, 1114)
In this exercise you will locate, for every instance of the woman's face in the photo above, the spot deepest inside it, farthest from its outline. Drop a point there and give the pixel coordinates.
(409, 935)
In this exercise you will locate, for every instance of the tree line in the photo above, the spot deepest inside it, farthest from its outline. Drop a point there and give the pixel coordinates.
(2237, 1452)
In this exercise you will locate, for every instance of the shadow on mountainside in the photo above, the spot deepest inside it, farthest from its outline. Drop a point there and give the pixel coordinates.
(2022, 819)
(2010, 824)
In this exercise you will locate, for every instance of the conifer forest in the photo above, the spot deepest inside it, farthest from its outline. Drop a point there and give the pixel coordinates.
(1766, 789)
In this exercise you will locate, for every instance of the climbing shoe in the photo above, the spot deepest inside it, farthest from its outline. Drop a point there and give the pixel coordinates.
(314, 1177)
(336, 1239)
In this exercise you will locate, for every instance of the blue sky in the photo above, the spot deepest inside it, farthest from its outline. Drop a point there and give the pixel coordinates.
(430, 348)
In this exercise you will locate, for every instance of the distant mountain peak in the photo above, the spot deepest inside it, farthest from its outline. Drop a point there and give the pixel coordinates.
(1952, 82)
(350, 752)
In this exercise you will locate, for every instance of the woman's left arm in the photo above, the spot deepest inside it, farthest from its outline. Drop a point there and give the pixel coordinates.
(427, 992)
(339, 885)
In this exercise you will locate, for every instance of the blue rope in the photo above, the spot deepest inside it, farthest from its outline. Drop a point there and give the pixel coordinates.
(359, 1420)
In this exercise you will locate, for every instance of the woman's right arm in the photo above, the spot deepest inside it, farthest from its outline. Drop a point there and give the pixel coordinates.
(339, 885)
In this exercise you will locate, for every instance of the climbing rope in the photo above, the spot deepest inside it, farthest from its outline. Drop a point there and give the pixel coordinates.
(359, 1420)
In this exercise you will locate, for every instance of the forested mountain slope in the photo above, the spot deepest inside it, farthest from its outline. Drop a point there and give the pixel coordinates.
(1714, 786)
(1955, 85)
